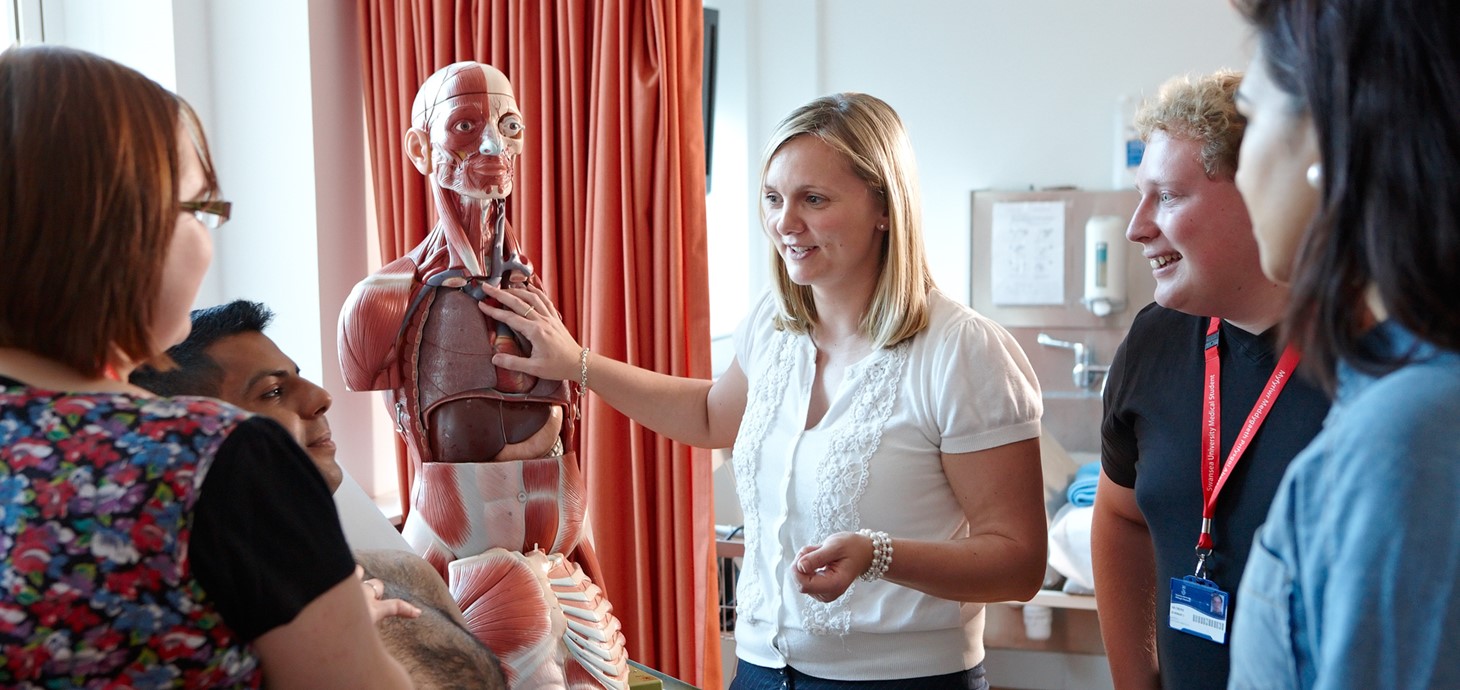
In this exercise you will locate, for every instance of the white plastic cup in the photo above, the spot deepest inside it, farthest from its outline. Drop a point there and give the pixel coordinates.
(1038, 621)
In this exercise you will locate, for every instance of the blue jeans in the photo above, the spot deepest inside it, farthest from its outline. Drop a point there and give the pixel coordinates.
(752, 677)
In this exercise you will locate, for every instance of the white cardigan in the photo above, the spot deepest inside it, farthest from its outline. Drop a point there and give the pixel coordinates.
(875, 461)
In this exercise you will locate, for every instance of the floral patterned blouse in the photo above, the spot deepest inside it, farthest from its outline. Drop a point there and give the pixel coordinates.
(97, 511)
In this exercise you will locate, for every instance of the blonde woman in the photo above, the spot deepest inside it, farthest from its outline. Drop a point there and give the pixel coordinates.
(885, 437)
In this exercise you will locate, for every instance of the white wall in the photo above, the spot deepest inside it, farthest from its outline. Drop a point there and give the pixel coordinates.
(729, 185)
(277, 83)
(996, 94)
(113, 29)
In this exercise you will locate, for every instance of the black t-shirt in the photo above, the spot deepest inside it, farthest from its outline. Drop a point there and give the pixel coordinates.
(266, 538)
(1151, 441)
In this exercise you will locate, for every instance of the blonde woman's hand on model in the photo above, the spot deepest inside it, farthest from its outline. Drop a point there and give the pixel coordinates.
(527, 310)
(698, 412)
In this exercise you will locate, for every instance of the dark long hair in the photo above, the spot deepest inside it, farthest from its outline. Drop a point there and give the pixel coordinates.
(1381, 80)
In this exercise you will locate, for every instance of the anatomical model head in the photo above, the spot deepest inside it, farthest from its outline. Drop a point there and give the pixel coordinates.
(466, 131)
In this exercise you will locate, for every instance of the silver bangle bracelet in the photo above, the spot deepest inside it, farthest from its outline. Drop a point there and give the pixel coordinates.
(583, 371)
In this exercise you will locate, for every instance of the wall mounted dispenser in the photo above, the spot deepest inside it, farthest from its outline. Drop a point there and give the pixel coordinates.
(1105, 255)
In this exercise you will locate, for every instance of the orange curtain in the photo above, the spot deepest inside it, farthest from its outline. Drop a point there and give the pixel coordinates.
(610, 194)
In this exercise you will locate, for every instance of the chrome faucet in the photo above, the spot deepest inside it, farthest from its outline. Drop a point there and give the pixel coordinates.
(1086, 372)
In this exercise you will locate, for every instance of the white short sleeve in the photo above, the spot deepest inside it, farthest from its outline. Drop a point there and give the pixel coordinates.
(754, 331)
(980, 386)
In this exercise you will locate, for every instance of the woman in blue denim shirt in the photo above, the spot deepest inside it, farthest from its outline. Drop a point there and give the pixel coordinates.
(1349, 170)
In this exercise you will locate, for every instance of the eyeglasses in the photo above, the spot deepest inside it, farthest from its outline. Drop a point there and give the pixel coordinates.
(211, 214)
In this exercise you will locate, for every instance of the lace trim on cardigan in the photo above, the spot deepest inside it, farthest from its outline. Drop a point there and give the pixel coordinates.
(844, 472)
(760, 407)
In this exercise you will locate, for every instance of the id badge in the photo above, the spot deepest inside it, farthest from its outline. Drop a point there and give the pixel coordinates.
(1199, 607)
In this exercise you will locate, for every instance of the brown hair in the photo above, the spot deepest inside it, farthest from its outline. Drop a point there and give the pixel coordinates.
(1202, 109)
(868, 132)
(89, 197)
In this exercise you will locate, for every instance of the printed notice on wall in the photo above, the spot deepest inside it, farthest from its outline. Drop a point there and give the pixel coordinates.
(1028, 253)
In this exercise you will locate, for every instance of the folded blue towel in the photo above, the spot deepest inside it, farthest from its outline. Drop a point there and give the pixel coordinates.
(1082, 489)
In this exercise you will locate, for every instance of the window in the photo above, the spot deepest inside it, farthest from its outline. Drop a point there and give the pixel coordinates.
(10, 22)
(136, 34)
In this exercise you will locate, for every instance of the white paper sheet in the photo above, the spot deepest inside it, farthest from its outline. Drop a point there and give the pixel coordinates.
(1028, 253)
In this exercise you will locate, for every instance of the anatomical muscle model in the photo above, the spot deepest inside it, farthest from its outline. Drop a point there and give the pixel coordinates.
(497, 501)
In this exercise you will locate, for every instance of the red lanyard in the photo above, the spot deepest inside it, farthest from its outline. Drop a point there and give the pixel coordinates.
(1211, 484)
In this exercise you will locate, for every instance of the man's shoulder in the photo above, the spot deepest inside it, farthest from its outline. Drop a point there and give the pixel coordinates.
(1157, 332)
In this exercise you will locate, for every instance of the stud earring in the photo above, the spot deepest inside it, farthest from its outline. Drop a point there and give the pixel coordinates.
(1315, 176)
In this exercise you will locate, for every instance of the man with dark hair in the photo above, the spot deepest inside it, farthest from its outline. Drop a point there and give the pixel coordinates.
(227, 356)
(197, 373)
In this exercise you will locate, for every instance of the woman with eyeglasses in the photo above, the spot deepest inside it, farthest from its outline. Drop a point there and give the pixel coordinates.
(144, 541)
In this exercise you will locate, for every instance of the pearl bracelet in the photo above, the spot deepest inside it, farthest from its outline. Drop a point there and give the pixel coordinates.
(881, 555)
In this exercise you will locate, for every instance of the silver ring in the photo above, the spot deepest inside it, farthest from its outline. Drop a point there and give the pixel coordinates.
(530, 311)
